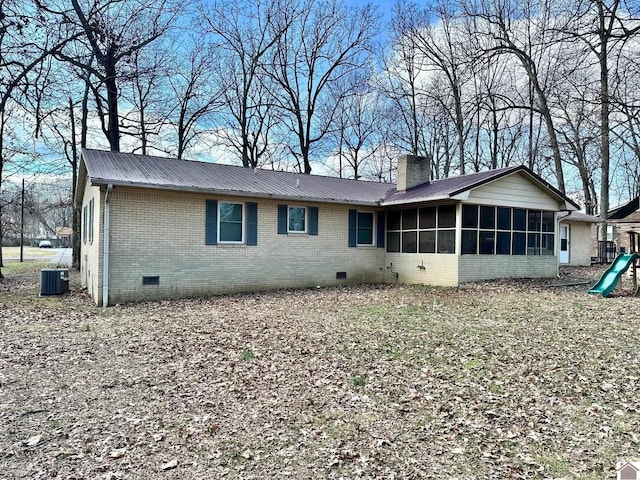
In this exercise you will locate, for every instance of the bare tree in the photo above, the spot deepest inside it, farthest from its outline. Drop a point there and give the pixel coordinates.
(243, 36)
(112, 32)
(194, 95)
(521, 30)
(604, 28)
(438, 39)
(25, 41)
(146, 91)
(326, 42)
(357, 124)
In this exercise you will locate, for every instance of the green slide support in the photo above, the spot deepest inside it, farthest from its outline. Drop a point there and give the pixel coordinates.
(609, 279)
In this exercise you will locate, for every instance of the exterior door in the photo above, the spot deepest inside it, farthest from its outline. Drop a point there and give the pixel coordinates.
(564, 243)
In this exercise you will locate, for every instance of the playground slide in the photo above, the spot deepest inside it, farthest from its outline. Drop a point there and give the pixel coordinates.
(610, 278)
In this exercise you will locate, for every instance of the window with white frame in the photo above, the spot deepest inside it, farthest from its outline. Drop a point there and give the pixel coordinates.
(297, 220)
(365, 234)
(230, 224)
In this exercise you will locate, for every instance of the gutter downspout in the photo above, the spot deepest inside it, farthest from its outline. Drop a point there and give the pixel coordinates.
(105, 255)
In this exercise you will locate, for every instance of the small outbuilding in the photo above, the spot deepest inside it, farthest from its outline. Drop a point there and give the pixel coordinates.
(575, 235)
(161, 227)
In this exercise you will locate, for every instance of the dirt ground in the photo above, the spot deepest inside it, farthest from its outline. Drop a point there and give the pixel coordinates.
(509, 379)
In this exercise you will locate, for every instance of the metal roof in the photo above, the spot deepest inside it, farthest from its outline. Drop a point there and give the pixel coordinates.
(146, 171)
(449, 188)
(445, 188)
(581, 217)
(184, 175)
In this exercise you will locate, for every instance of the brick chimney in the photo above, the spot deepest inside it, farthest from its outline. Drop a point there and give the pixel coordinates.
(412, 171)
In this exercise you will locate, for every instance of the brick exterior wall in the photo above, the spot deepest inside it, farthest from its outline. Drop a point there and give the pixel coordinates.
(475, 268)
(412, 171)
(439, 269)
(580, 246)
(155, 233)
(162, 233)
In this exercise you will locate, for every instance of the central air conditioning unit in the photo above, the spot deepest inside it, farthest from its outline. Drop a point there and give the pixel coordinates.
(54, 281)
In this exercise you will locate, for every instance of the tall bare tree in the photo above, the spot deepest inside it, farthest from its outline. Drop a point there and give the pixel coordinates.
(521, 29)
(112, 33)
(243, 36)
(357, 125)
(439, 40)
(604, 28)
(326, 42)
(402, 83)
(27, 38)
(194, 94)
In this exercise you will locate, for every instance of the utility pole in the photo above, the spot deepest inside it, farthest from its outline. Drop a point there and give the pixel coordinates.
(22, 224)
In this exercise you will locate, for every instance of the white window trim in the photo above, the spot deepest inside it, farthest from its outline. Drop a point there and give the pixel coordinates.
(373, 229)
(243, 224)
(306, 220)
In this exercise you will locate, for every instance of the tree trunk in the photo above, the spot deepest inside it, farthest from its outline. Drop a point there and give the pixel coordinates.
(113, 128)
(604, 132)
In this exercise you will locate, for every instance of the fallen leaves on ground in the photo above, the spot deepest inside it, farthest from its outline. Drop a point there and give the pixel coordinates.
(509, 379)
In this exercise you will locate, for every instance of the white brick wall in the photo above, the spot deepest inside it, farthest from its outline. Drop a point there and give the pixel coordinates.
(579, 243)
(439, 269)
(162, 233)
(474, 268)
(158, 233)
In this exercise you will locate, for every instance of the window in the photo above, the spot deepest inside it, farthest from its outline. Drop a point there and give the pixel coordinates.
(488, 230)
(84, 224)
(365, 228)
(297, 220)
(87, 223)
(230, 224)
(423, 230)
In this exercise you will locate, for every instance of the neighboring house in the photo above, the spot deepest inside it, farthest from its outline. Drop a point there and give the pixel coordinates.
(624, 222)
(159, 227)
(575, 235)
(65, 235)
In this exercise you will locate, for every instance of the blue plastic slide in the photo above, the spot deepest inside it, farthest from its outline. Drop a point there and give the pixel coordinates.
(609, 279)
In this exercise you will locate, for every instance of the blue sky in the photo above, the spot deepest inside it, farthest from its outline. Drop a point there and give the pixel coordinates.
(384, 7)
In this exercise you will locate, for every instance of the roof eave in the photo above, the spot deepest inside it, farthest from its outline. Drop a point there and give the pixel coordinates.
(567, 203)
(390, 203)
(233, 193)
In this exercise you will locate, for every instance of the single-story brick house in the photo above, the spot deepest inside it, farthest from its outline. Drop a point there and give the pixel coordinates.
(160, 227)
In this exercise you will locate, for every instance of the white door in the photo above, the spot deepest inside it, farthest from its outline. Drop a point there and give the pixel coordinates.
(564, 243)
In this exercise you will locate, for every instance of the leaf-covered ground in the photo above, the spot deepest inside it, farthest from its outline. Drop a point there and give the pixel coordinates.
(509, 380)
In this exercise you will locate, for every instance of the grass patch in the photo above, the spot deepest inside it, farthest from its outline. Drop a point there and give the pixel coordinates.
(247, 355)
(358, 381)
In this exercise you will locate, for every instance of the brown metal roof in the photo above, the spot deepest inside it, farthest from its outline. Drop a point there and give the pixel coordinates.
(184, 175)
(447, 188)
